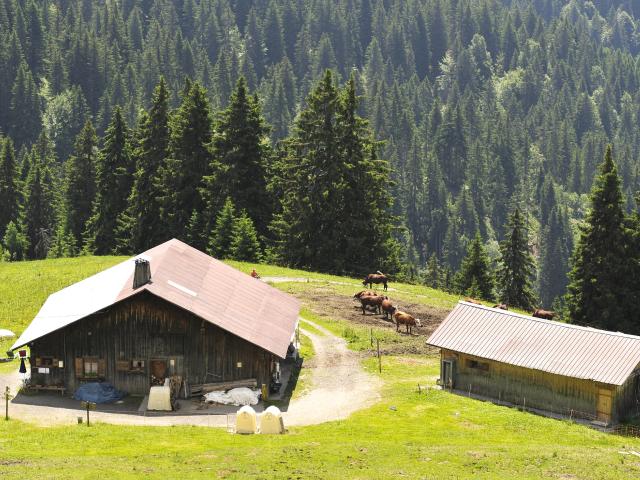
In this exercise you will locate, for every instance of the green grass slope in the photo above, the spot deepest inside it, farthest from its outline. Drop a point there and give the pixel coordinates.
(406, 435)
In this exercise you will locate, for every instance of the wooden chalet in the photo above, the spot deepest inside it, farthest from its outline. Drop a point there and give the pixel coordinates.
(172, 310)
(551, 366)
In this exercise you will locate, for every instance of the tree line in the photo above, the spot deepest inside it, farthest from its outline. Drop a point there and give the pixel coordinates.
(211, 179)
(482, 106)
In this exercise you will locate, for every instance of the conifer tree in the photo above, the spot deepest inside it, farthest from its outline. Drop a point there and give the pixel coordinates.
(240, 158)
(245, 245)
(333, 186)
(140, 226)
(15, 243)
(556, 245)
(25, 108)
(222, 234)
(39, 214)
(113, 182)
(80, 184)
(517, 267)
(475, 273)
(63, 244)
(598, 290)
(9, 194)
(432, 272)
(182, 174)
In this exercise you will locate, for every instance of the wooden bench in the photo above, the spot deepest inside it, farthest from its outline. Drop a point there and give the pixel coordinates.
(51, 388)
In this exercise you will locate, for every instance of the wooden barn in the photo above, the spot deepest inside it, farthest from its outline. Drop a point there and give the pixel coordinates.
(171, 311)
(540, 364)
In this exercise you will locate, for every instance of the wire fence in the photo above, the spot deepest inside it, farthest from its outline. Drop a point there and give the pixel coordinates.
(589, 419)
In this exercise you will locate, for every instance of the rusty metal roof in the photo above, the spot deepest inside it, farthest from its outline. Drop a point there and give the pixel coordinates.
(190, 279)
(554, 347)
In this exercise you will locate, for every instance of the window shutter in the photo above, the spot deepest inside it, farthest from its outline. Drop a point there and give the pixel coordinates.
(102, 367)
(79, 367)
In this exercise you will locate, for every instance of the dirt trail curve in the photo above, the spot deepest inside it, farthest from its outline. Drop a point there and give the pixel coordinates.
(339, 387)
(339, 384)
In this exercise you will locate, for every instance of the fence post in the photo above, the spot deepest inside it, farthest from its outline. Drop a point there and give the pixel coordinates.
(7, 397)
(379, 359)
(371, 336)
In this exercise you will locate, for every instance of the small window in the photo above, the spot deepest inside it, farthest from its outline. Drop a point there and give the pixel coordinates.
(90, 368)
(484, 366)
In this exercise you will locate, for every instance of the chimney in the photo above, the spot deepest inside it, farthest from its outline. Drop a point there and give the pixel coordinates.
(142, 273)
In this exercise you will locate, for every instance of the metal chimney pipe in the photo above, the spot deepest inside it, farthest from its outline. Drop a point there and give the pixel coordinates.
(142, 273)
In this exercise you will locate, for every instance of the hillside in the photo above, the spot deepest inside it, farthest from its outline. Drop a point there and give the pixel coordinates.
(482, 106)
(407, 434)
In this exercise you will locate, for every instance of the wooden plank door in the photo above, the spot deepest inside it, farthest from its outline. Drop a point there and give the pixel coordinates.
(447, 374)
(604, 405)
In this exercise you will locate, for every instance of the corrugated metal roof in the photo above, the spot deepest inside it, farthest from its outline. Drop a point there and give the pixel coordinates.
(554, 347)
(189, 279)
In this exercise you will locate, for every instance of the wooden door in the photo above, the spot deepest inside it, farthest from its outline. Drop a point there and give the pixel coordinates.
(604, 405)
(447, 374)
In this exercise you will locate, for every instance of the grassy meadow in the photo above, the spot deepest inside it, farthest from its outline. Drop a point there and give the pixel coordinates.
(407, 435)
(426, 435)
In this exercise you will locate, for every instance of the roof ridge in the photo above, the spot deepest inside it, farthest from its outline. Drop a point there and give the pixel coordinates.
(549, 322)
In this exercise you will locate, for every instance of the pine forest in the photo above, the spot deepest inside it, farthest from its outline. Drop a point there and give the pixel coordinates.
(486, 147)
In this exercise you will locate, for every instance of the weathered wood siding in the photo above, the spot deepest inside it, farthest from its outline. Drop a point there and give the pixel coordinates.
(519, 385)
(626, 398)
(145, 327)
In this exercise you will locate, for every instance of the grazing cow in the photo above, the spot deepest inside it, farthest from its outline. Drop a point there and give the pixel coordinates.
(387, 308)
(472, 300)
(546, 314)
(364, 293)
(501, 306)
(405, 319)
(372, 301)
(375, 278)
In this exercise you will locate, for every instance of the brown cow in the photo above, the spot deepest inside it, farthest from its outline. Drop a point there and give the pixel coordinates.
(546, 314)
(375, 278)
(364, 293)
(405, 319)
(372, 301)
(387, 308)
(501, 306)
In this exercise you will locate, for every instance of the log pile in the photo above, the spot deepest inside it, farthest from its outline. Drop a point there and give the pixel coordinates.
(204, 388)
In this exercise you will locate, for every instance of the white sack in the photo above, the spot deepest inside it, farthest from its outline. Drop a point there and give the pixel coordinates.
(235, 396)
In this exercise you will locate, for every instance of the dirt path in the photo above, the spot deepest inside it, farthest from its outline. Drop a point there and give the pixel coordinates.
(339, 387)
(339, 384)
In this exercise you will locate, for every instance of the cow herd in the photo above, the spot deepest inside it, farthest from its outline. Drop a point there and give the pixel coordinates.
(380, 304)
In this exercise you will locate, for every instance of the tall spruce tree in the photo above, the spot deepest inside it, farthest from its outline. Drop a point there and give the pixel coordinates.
(334, 188)
(475, 273)
(80, 184)
(39, 213)
(241, 155)
(9, 194)
(556, 245)
(517, 268)
(113, 183)
(598, 290)
(182, 174)
(140, 226)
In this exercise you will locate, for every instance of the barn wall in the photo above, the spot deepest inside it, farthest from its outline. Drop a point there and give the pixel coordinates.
(146, 327)
(626, 401)
(518, 385)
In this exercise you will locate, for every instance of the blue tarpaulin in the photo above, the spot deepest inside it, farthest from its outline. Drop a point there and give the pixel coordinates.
(98, 393)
